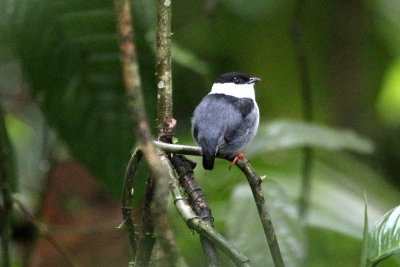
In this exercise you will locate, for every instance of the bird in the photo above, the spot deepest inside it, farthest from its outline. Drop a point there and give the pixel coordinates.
(226, 119)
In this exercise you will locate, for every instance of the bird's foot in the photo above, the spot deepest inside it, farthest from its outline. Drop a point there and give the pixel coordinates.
(238, 156)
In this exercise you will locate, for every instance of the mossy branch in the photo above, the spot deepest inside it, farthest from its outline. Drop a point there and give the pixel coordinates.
(254, 181)
(197, 223)
(184, 168)
(203, 227)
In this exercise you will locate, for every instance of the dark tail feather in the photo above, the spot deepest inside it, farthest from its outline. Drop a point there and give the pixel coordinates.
(208, 161)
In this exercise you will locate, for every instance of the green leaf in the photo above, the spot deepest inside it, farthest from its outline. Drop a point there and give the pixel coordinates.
(245, 229)
(365, 234)
(384, 237)
(280, 135)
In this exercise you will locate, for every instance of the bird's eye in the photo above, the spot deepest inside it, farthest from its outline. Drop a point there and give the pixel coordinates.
(236, 81)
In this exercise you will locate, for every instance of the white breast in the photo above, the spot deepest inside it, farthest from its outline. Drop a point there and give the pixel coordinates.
(236, 90)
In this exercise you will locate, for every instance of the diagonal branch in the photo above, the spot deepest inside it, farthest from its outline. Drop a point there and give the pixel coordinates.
(46, 233)
(196, 223)
(254, 181)
(184, 168)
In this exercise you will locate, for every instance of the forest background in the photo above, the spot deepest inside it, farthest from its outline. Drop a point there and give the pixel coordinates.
(65, 115)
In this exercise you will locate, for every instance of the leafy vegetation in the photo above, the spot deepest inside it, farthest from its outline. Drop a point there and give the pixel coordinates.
(67, 53)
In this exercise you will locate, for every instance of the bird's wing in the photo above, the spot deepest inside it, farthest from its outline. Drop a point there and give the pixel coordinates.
(212, 118)
(243, 105)
(239, 130)
(221, 120)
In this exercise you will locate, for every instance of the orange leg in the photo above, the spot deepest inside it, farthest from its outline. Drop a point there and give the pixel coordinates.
(238, 156)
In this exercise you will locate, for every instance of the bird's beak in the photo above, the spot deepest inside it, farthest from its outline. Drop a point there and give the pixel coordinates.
(254, 80)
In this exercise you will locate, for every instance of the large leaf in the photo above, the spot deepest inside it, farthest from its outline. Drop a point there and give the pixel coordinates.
(69, 54)
(384, 237)
(292, 134)
(246, 232)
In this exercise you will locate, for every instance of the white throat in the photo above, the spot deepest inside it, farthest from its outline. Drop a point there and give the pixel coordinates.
(236, 90)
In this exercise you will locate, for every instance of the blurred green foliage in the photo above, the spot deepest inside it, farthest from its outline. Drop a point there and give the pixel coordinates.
(68, 53)
(389, 99)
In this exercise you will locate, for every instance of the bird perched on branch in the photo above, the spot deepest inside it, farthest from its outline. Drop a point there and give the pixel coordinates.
(227, 118)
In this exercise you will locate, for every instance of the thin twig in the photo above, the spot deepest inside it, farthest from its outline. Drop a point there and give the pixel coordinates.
(180, 149)
(196, 223)
(6, 209)
(184, 168)
(255, 181)
(127, 195)
(255, 184)
(298, 44)
(146, 238)
(46, 233)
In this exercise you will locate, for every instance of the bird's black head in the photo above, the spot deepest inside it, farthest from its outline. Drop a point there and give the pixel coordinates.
(236, 78)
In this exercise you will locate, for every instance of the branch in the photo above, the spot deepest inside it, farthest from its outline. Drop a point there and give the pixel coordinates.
(196, 223)
(298, 43)
(164, 232)
(254, 181)
(127, 195)
(146, 238)
(166, 127)
(184, 168)
(6, 209)
(180, 149)
(164, 70)
(131, 76)
(45, 232)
